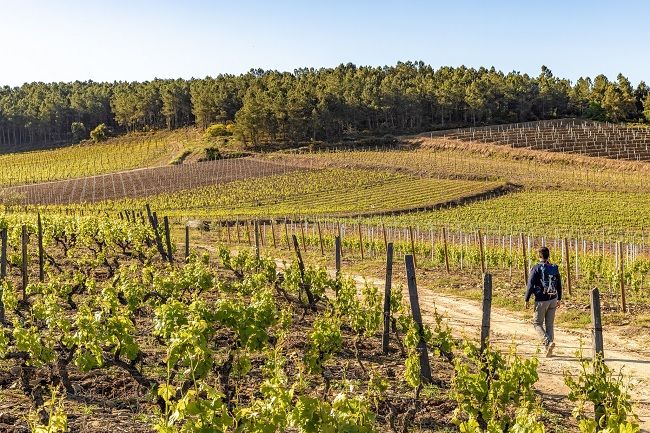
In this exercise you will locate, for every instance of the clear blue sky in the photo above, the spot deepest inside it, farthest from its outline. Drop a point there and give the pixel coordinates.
(66, 40)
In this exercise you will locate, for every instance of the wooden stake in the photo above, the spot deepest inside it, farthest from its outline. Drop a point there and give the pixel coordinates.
(24, 240)
(525, 260)
(482, 252)
(412, 246)
(320, 238)
(487, 308)
(41, 252)
(622, 277)
(567, 264)
(3, 254)
(275, 242)
(387, 294)
(187, 242)
(425, 369)
(168, 240)
(444, 239)
(360, 241)
(257, 239)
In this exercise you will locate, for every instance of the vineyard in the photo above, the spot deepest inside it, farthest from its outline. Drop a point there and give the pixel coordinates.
(567, 136)
(84, 160)
(142, 182)
(106, 328)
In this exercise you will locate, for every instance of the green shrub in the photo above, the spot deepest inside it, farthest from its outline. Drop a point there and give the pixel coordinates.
(212, 154)
(78, 131)
(100, 133)
(218, 130)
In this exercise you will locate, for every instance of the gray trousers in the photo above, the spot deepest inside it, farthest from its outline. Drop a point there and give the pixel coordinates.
(543, 318)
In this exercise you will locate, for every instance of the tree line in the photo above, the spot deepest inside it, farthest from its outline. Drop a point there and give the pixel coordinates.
(315, 104)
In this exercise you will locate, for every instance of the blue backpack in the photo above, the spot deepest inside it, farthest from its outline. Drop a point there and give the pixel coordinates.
(550, 279)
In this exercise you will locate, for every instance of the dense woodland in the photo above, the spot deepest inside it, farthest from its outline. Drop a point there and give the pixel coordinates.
(314, 104)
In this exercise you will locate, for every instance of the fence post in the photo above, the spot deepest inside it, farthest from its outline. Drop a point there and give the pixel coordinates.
(3, 254)
(425, 369)
(415, 263)
(383, 230)
(387, 290)
(168, 240)
(481, 251)
(360, 240)
(187, 242)
(286, 233)
(487, 308)
(597, 338)
(24, 240)
(337, 255)
(567, 264)
(597, 324)
(275, 241)
(621, 273)
(525, 259)
(228, 231)
(302, 235)
(41, 253)
(320, 238)
(256, 227)
(444, 240)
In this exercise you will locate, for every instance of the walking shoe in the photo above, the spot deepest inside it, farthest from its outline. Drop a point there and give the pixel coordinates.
(549, 349)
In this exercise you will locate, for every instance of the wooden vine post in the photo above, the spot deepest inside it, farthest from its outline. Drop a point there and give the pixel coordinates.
(24, 240)
(621, 277)
(248, 233)
(302, 235)
(3, 271)
(256, 227)
(286, 233)
(168, 240)
(320, 238)
(187, 242)
(337, 256)
(425, 368)
(3, 254)
(383, 230)
(525, 259)
(228, 231)
(597, 341)
(567, 265)
(41, 253)
(481, 251)
(238, 231)
(415, 263)
(360, 241)
(487, 309)
(275, 241)
(444, 240)
(387, 294)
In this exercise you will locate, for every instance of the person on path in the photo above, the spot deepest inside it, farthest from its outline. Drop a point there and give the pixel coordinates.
(545, 284)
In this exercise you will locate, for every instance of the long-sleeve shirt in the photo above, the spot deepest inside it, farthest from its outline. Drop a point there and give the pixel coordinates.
(536, 288)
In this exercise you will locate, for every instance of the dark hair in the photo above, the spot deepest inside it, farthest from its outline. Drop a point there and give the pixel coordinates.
(544, 253)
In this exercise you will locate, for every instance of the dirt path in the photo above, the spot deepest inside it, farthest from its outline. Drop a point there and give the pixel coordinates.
(621, 352)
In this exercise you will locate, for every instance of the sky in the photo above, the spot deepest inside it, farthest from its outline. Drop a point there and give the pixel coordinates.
(137, 40)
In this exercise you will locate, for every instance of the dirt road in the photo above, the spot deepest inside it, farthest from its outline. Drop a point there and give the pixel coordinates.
(626, 353)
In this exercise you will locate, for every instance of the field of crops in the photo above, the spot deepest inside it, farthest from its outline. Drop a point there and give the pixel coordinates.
(103, 327)
(581, 137)
(142, 182)
(85, 160)
(530, 169)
